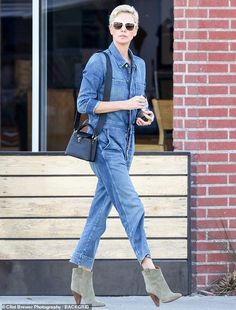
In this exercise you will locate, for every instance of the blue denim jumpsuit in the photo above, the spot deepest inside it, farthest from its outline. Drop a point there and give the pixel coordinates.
(114, 154)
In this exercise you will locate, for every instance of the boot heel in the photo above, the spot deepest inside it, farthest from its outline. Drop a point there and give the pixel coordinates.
(155, 300)
(77, 297)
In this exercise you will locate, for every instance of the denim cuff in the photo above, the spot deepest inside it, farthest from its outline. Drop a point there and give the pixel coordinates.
(91, 106)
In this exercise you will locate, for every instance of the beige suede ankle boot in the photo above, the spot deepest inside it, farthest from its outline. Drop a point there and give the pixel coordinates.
(157, 287)
(82, 287)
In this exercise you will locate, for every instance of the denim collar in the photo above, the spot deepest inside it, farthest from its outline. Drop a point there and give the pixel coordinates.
(119, 59)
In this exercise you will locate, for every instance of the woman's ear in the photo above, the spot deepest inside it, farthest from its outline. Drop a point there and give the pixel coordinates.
(110, 29)
(136, 31)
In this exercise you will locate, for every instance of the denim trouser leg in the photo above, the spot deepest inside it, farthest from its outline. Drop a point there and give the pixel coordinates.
(113, 175)
(85, 250)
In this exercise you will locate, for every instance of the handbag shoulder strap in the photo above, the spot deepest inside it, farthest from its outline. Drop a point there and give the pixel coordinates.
(106, 97)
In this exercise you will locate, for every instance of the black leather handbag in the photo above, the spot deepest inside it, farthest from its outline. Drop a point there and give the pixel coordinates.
(83, 145)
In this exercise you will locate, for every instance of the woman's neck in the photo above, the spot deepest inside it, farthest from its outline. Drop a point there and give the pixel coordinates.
(123, 49)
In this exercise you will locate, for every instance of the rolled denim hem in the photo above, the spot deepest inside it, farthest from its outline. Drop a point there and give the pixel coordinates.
(82, 260)
(147, 255)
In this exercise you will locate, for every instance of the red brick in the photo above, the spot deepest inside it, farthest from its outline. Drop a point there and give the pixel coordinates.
(212, 235)
(208, 112)
(179, 112)
(233, 24)
(189, 146)
(195, 79)
(196, 135)
(232, 157)
(179, 134)
(179, 46)
(226, 168)
(180, 3)
(201, 280)
(222, 190)
(223, 213)
(210, 157)
(178, 123)
(201, 101)
(208, 46)
(211, 268)
(178, 101)
(233, 90)
(222, 79)
(232, 46)
(207, 23)
(178, 35)
(178, 145)
(198, 168)
(179, 24)
(232, 112)
(233, 3)
(232, 134)
(213, 278)
(196, 35)
(227, 123)
(201, 258)
(207, 90)
(232, 224)
(220, 146)
(232, 201)
(222, 101)
(197, 56)
(198, 235)
(179, 13)
(232, 180)
(178, 57)
(178, 78)
(210, 202)
(195, 13)
(205, 224)
(211, 246)
(222, 57)
(179, 90)
(198, 213)
(222, 14)
(198, 191)
(218, 257)
(202, 179)
(179, 68)
(208, 3)
(198, 123)
(232, 68)
(207, 68)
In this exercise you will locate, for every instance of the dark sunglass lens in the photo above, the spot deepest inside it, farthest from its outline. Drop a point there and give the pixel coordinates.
(117, 25)
(129, 26)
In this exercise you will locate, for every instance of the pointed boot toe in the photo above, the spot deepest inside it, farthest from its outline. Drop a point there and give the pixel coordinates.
(157, 287)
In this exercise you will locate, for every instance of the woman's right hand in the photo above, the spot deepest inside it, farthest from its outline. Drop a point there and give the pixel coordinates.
(136, 102)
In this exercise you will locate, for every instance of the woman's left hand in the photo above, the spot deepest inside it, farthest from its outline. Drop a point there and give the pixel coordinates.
(150, 117)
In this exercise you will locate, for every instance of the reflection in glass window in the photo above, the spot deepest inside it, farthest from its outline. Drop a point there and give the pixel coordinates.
(15, 73)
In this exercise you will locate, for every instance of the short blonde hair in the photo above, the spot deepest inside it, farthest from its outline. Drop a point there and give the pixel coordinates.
(124, 8)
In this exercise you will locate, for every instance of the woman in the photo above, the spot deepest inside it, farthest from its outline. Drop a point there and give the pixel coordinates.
(114, 155)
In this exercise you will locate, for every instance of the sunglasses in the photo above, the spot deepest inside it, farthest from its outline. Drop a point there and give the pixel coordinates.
(128, 26)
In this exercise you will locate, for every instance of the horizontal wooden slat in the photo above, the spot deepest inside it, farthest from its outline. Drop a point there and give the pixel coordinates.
(108, 249)
(73, 206)
(66, 165)
(72, 228)
(85, 186)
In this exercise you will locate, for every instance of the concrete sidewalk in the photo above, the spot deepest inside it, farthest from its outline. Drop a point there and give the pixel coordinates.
(195, 302)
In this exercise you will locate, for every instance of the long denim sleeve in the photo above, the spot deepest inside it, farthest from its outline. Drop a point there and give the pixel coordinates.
(93, 78)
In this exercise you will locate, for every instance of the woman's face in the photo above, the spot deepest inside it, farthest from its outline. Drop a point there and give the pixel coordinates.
(123, 35)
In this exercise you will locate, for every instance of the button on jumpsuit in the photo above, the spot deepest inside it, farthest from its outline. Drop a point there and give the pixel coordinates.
(114, 154)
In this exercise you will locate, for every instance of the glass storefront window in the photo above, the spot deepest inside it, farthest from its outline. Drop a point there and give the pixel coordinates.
(74, 30)
(15, 74)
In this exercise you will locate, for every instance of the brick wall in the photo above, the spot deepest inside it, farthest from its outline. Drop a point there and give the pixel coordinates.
(205, 125)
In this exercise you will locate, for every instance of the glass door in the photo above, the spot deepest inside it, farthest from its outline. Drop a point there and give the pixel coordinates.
(15, 74)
